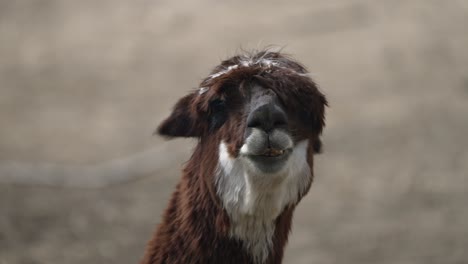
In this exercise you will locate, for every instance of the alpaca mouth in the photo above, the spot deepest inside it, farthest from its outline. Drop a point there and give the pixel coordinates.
(271, 152)
(270, 160)
(267, 153)
(271, 156)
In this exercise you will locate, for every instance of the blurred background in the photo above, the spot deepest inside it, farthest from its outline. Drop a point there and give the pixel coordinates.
(83, 84)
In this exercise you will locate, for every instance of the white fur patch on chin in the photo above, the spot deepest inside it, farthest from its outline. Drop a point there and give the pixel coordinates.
(252, 207)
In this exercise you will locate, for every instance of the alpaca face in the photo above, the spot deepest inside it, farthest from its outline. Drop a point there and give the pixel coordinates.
(265, 150)
(262, 134)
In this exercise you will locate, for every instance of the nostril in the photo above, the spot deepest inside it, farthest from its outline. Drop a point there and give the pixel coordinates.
(279, 123)
(254, 122)
(279, 119)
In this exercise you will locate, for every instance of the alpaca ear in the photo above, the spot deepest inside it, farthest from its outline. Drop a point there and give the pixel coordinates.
(316, 116)
(317, 146)
(319, 119)
(184, 121)
(313, 115)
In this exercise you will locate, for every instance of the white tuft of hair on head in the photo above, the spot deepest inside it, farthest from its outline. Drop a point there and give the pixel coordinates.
(246, 61)
(203, 90)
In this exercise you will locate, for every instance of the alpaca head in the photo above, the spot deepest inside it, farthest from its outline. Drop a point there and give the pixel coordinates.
(259, 108)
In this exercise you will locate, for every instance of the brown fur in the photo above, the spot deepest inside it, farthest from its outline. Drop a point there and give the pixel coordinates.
(195, 227)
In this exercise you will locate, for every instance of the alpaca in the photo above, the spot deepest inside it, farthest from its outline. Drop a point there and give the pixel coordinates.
(257, 117)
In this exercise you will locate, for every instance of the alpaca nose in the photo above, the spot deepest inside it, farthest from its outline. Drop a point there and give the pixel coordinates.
(267, 117)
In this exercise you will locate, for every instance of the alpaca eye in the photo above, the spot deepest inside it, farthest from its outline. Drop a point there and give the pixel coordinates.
(218, 113)
(217, 105)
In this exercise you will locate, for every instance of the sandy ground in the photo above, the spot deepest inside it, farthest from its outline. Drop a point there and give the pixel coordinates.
(83, 83)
